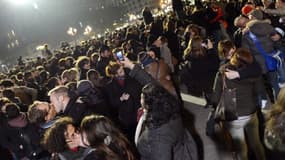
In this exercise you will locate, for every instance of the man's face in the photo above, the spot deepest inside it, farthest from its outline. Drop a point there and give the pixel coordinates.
(49, 108)
(55, 101)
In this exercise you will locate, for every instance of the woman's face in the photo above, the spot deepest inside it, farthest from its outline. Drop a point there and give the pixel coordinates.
(87, 65)
(231, 53)
(120, 72)
(70, 132)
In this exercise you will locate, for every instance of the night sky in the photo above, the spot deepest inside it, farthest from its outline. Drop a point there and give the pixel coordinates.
(48, 21)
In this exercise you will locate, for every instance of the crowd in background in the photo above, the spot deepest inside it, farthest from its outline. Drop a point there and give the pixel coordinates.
(89, 102)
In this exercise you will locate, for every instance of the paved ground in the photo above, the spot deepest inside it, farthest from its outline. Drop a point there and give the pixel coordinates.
(195, 112)
(195, 118)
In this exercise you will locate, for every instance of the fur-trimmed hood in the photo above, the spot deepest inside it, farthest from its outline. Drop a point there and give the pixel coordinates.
(260, 27)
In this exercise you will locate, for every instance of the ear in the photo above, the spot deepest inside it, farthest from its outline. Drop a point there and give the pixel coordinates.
(46, 118)
(60, 98)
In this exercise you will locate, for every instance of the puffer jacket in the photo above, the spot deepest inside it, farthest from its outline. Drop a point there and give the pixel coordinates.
(262, 30)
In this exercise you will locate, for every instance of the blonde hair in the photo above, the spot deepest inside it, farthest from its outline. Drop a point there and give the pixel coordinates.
(195, 47)
(112, 68)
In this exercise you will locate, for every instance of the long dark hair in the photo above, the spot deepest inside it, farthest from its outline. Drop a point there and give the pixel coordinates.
(98, 129)
(161, 106)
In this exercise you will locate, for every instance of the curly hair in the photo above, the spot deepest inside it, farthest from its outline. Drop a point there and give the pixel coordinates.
(161, 106)
(97, 129)
(54, 138)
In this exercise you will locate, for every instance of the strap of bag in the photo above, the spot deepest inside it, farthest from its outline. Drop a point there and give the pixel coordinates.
(157, 70)
(224, 81)
(257, 43)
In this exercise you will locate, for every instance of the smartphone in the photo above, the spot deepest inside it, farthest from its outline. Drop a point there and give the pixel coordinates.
(119, 55)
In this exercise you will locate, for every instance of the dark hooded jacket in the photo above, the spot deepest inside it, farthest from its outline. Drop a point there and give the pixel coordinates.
(21, 137)
(262, 30)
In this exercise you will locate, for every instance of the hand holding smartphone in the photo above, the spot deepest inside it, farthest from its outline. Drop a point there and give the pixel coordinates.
(119, 55)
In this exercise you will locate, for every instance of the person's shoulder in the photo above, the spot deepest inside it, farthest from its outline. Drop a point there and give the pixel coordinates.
(94, 155)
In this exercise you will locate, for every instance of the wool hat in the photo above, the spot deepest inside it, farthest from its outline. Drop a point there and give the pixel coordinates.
(280, 31)
(256, 14)
(246, 9)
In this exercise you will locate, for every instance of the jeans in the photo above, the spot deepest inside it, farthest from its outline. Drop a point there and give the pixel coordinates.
(246, 126)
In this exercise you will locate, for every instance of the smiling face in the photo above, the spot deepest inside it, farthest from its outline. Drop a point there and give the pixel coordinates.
(70, 132)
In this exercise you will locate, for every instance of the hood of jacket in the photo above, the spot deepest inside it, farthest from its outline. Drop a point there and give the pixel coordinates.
(260, 27)
(20, 121)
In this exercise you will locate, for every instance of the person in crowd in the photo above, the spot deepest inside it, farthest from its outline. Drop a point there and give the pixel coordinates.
(94, 59)
(263, 31)
(66, 105)
(204, 64)
(165, 52)
(27, 95)
(18, 135)
(160, 129)
(42, 114)
(96, 79)
(94, 97)
(124, 97)
(274, 127)
(69, 75)
(158, 69)
(147, 16)
(278, 11)
(46, 51)
(173, 40)
(57, 138)
(107, 141)
(104, 59)
(244, 130)
(191, 31)
(239, 22)
(178, 8)
(83, 65)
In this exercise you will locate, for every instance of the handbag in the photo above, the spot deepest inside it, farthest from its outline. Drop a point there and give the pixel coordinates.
(226, 108)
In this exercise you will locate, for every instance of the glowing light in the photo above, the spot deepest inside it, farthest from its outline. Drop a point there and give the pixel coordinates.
(71, 31)
(40, 47)
(36, 6)
(13, 33)
(88, 30)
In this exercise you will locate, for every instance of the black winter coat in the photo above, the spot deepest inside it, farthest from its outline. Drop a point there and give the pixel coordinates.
(165, 142)
(76, 110)
(126, 111)
(246, 93)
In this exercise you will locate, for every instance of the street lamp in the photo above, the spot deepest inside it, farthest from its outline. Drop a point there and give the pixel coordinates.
(72, 32)
(88, 30)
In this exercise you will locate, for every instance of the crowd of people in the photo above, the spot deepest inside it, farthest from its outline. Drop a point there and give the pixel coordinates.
(118, 97)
